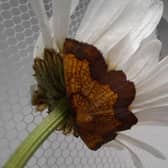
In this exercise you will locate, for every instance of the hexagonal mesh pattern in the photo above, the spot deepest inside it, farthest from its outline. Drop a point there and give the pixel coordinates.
(19, 30)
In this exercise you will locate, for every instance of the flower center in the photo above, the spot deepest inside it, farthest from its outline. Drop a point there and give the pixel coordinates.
(99, 99)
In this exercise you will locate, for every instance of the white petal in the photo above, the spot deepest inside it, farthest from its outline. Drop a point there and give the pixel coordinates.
(153, 36)
(128, 46)
(114, 144)
(152, 114)
(156, 79)
(39, 47)
(149, 66)
(99, 18)
(142, 61)
(74, 5)
(40, 12)
(61, 17)
(153, 123)
(151, 97)
(158, 101)
(153, 41)
(137, 162)
(153, 91)
(148, 148)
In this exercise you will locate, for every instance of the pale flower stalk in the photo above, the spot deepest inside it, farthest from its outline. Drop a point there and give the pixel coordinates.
(124, 31)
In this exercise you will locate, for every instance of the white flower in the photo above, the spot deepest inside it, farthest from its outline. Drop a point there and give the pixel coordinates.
(124, 31)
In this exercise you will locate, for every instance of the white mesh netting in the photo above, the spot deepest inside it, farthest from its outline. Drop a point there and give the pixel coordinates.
(19, 30)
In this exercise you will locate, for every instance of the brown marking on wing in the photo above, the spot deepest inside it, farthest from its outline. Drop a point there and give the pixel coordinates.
(100, 98)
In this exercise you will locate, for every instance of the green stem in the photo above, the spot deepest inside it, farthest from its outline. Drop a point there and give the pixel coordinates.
(38, 136)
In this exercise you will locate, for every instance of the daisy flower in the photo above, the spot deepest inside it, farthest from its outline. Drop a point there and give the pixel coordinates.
(109, 74)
